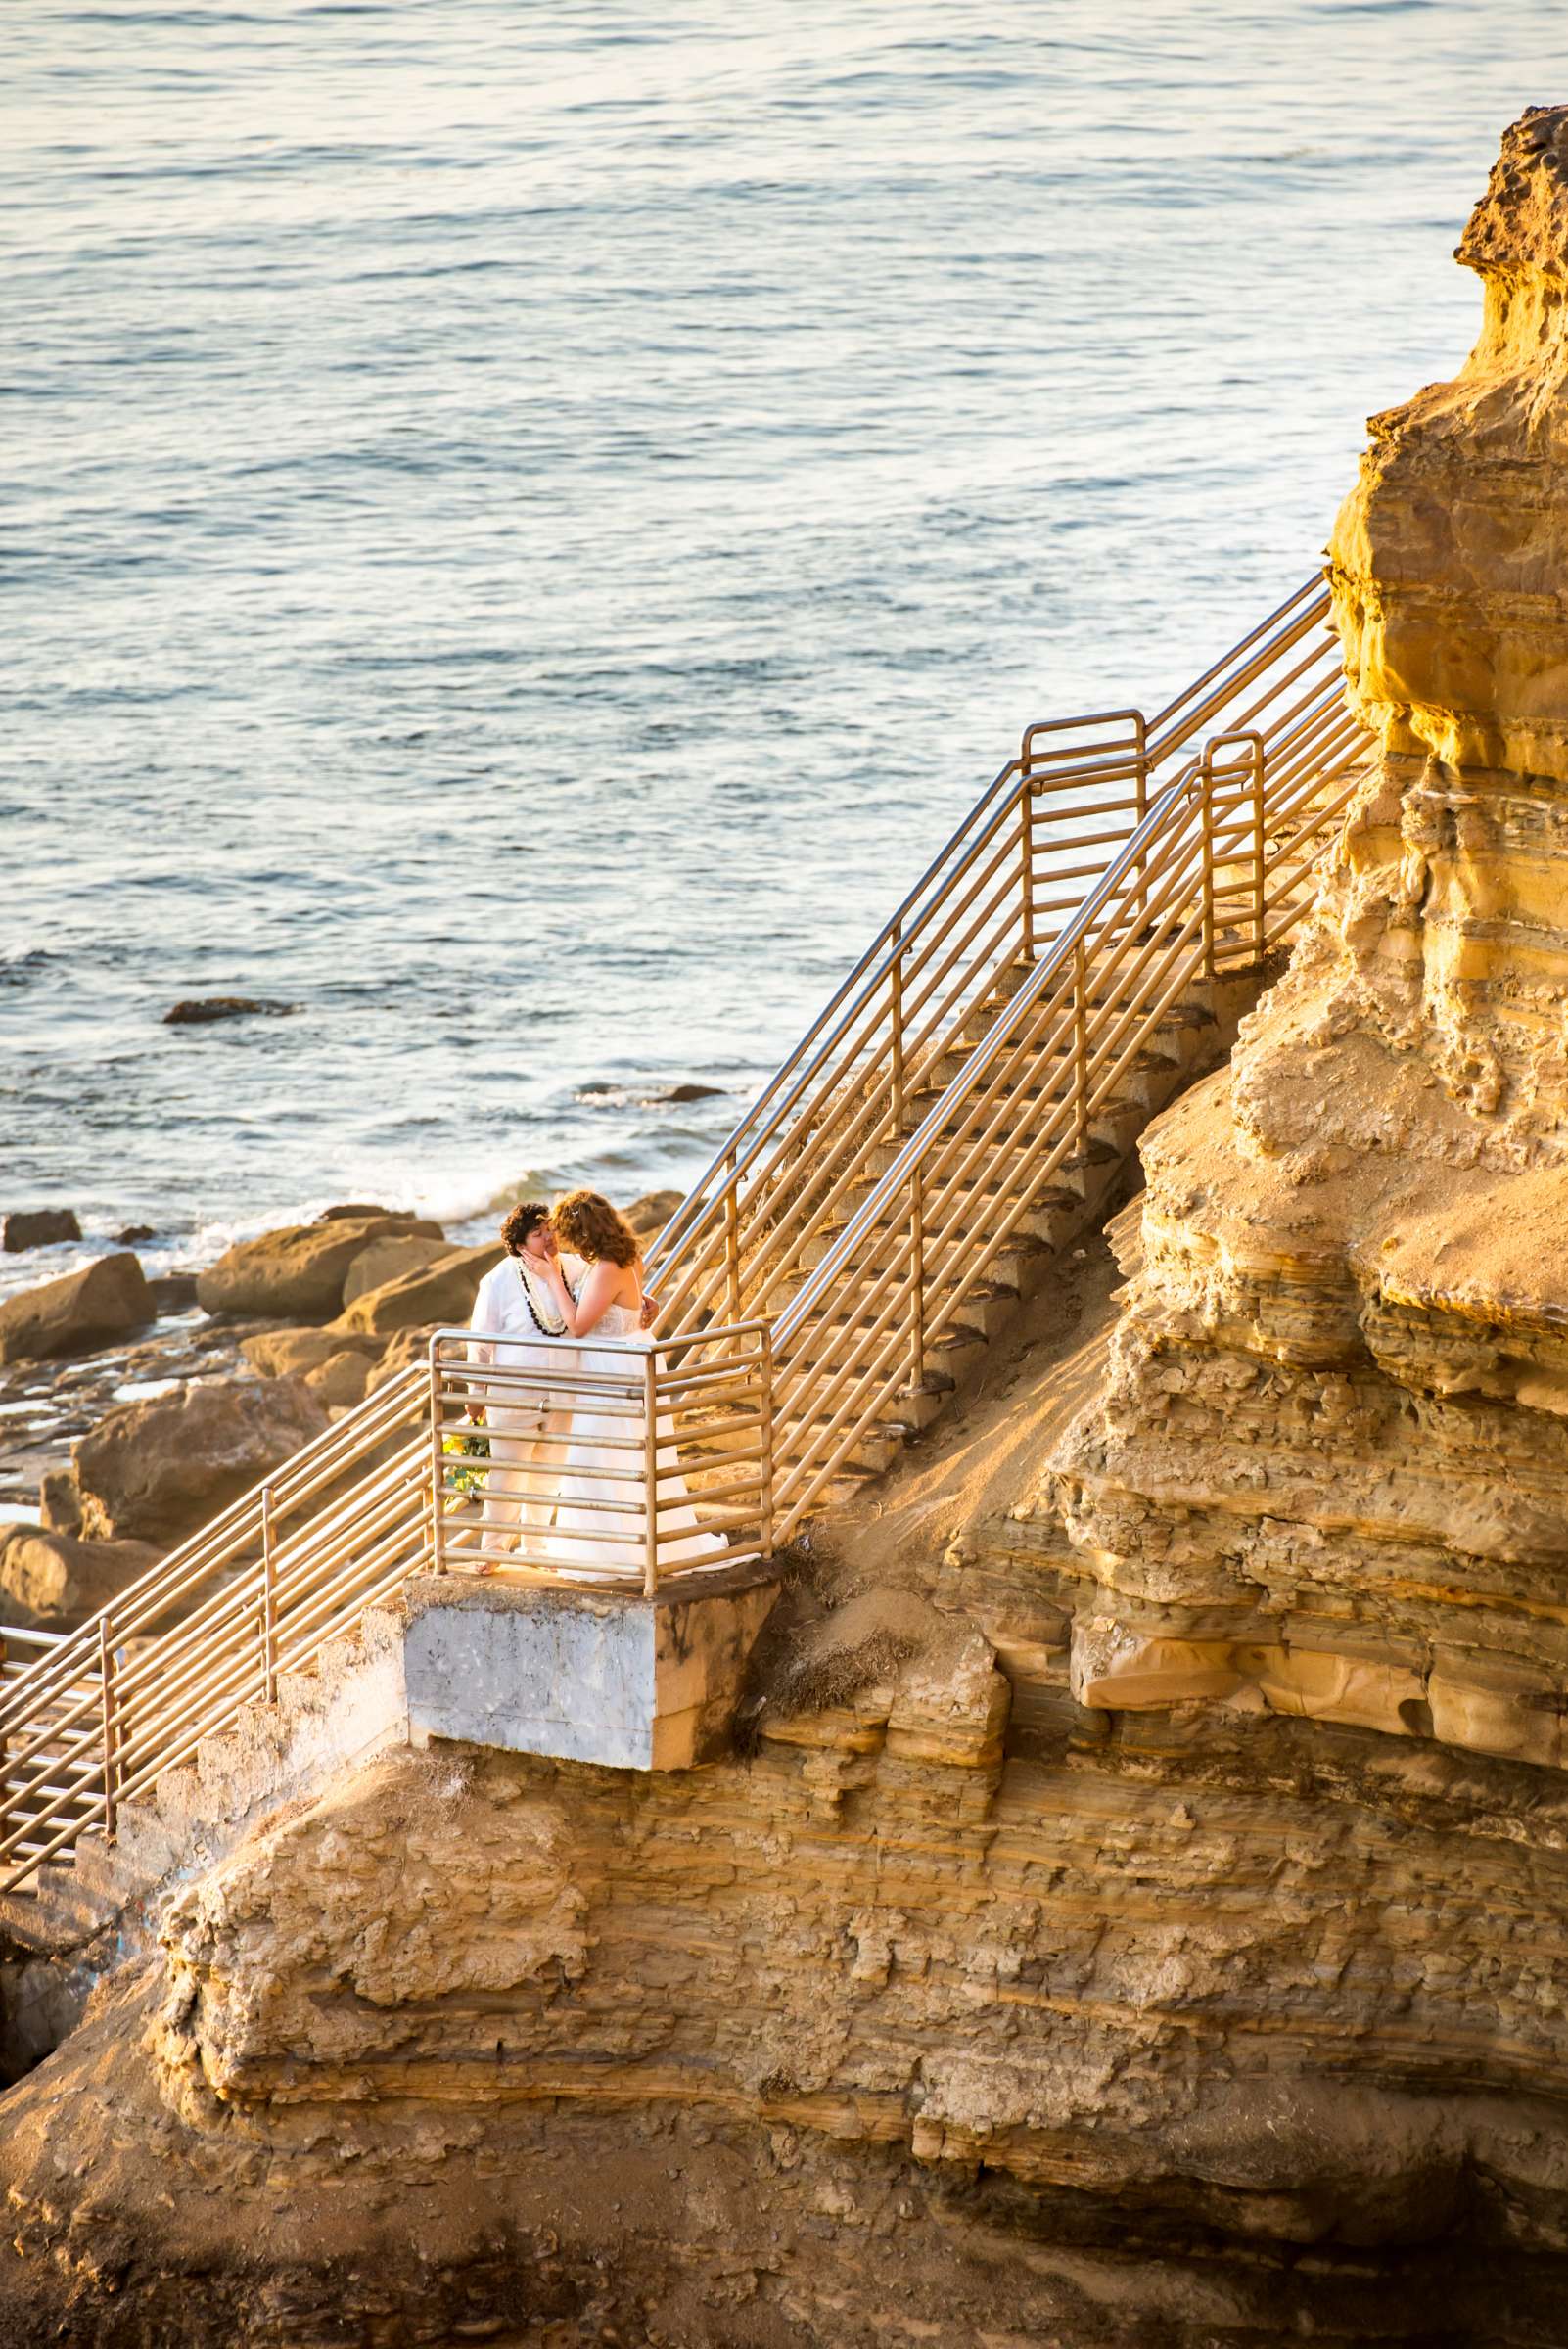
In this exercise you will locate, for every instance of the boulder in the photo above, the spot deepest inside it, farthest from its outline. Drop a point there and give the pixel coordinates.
(388, 1260)
(297, 1353)
(297, 1273)
(341, 1381)
(134, 1232)
(442, 1293)
(37, 1228)
(159, 1469)
(649, 1214)
(79, 1311)
(197, 1011)
(59, 1501)
(407, 1347)
(174, 1292)
(55, 1579)
(334, 1366)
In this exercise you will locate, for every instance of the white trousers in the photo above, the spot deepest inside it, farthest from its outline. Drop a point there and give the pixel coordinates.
(527, 1452)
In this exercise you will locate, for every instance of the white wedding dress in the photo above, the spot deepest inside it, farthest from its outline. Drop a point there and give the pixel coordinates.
(598, 1469)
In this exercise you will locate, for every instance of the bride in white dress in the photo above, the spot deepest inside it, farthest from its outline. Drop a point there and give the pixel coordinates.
(600, 1518)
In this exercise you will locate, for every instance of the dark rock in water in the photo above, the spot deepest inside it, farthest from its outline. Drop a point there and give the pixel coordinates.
(37, 1228)
(79, 1310)
(354, 1207)
(134, 1232)
(663, 1096)
(174, 1292)
(195, 1011)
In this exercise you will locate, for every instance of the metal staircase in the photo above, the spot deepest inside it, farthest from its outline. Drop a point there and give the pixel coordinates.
(943, 1121)
(952, 1116)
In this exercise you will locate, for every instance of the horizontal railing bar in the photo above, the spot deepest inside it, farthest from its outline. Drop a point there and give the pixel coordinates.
(145, 1601)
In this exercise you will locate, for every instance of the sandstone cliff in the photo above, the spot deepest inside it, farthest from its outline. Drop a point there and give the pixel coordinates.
(1145, 1923)
(1328, 1472)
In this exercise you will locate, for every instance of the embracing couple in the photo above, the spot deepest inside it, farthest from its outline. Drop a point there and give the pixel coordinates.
(564, 1486)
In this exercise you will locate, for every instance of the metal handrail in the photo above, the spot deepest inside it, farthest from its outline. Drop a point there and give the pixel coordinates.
(622, 1500)
(829, 1246)
(1175, 726)
(834, 1383)
(101, 1713)
(763, 1198)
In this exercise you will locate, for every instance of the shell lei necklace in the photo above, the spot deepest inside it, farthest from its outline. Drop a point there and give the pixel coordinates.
(543, 1312)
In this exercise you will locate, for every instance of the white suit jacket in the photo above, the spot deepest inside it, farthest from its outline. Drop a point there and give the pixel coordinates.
(507, 1331)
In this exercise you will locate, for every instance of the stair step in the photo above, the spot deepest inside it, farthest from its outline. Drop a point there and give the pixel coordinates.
(338, 1655)
(969, 1202)
(97, 1867)
(51, 1912)
(301, 1689)
(180, 1797)
(909, 1408)
(986, 1312)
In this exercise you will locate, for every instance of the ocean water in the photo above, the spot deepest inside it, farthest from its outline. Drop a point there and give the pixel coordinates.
(523, 525)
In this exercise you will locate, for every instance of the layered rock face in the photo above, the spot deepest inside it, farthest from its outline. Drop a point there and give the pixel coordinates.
(1330, 1473)
(881, 2035)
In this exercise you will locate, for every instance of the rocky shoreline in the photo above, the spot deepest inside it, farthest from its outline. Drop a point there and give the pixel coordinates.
(134, 1410)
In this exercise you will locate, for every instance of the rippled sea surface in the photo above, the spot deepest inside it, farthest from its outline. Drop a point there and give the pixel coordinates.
(524, 524)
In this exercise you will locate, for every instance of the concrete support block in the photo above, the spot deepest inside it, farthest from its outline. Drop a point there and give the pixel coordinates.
(585, 1675)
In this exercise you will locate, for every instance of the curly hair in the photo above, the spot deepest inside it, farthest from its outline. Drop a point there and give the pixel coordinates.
(585, 1223)
(521, 1221)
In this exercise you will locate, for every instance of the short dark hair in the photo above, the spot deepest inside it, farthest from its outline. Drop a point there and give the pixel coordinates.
(526, 1217)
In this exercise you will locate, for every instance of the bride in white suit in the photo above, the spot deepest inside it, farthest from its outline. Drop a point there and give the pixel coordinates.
(607, 1305)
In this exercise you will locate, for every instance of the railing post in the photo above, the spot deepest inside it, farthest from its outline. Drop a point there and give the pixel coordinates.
(5, 1781)
(1206, 776)
(1026, 839)
(1259, 917)
(106, 1669)
(732, 1239)
(895, 982)
(650, 1454)
(765, 1464)
(1141, 735)
(438, 1468)
(1081, 1123)
(917, 1260)
(269, 1605)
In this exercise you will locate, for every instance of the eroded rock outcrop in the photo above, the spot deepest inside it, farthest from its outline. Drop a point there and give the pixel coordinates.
(1329, 1475)
(440, 1292)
